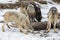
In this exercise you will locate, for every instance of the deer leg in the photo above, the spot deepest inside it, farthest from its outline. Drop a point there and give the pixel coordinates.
(8, 26)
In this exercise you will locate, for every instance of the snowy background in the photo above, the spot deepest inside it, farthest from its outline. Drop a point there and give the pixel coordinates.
(14, 34)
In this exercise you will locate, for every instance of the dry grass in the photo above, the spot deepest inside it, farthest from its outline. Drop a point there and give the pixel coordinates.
(58, 1)
(43, 2)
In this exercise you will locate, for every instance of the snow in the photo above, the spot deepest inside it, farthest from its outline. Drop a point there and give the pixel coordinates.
(14, 34)
(8, 1)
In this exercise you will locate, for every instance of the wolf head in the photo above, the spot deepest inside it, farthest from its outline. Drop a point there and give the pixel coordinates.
(53, 10)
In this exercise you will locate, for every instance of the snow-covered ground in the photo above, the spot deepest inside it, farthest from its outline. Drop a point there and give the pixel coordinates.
(8, 1)
(14, 34)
